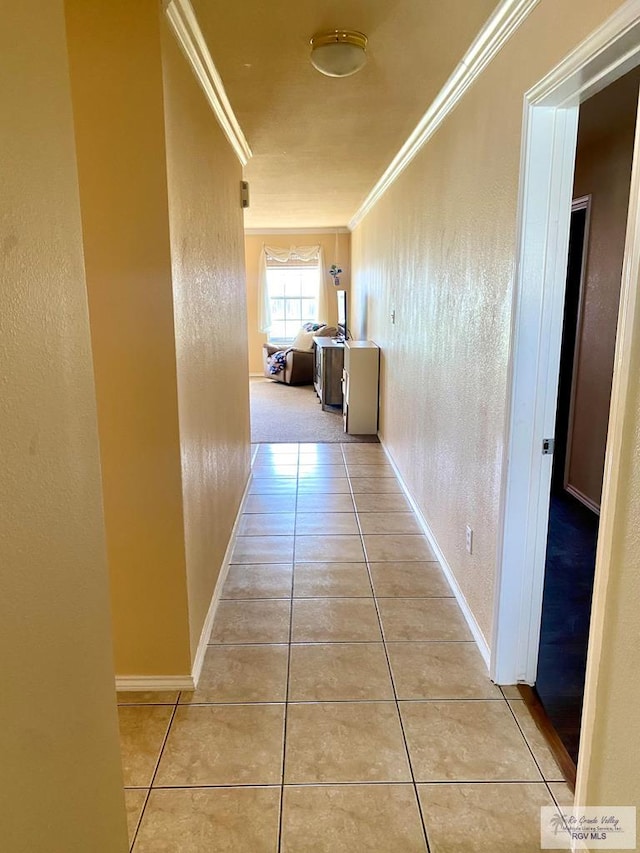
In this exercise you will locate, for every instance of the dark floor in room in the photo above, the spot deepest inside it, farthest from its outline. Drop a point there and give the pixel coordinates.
(566, 611)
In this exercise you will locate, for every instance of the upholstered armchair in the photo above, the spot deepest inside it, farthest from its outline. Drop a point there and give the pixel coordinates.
(293, 365)
(298, 365)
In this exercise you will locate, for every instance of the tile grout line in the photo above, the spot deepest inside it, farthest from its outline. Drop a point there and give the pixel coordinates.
(502, 697)
(342, 642)
(155, 771)
(176, 704)
(376, 599)
(321, 597)
(393, 685)
(286, 693)
(349, 784)
(535, 760)
(316, 597)
(402, 729)
(217, 704)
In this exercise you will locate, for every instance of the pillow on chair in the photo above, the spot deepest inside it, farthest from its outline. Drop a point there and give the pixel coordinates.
(304, 339)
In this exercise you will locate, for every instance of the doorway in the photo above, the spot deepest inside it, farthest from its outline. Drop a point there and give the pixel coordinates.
(550, 131)
(596, 249)
(572, 531)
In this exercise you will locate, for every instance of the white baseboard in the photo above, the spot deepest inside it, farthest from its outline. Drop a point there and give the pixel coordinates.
(217, 592)
(470, 619)
(256, 375)
(127, 683)
(580, 496)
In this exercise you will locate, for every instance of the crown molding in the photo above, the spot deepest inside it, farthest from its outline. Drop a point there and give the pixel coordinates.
(499, 28)
(256, 232)
(187, 30)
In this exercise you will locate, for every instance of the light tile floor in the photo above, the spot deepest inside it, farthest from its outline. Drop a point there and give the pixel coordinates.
(342, 705)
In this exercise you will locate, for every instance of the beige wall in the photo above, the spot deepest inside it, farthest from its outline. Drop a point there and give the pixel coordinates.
(253, 246)
(439, 248)
(165, 271)
(210, 325)
(603, 169)
(610, 745)
(116, 70)
(61, 775)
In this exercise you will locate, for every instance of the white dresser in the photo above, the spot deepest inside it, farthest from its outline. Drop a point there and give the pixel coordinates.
(360, 387)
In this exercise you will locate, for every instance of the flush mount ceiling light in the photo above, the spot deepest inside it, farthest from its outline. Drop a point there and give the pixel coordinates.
(338, 53)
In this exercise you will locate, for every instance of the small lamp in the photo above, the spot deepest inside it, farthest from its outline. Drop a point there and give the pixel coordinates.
(338, 53)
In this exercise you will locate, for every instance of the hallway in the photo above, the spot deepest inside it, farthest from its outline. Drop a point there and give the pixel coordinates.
(343, 704)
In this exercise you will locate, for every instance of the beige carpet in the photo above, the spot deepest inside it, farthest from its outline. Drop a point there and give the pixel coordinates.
(282, 413)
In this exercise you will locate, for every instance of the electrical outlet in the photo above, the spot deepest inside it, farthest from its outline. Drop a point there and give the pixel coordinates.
(469, 540)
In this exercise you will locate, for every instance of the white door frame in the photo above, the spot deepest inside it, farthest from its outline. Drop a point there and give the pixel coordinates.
(582, 203)
(549, 140)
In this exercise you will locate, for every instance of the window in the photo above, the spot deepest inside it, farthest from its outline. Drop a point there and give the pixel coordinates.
(293, 295)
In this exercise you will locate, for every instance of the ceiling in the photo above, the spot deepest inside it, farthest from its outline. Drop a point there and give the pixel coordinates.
(319, 143)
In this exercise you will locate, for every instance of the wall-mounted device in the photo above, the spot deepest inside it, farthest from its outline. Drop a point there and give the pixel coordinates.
(244, 193)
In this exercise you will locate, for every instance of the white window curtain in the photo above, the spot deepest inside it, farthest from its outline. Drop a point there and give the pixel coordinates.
(283, 256)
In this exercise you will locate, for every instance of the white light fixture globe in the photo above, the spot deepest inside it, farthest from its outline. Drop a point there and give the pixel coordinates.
(338, 53)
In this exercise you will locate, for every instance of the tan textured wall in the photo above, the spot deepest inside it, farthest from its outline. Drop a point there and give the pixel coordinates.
(210, 322)
(118, 104)
(253, 245)
(439, 248)
(610, 742)
(603, 169)
(61, 775)
(610, 745)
